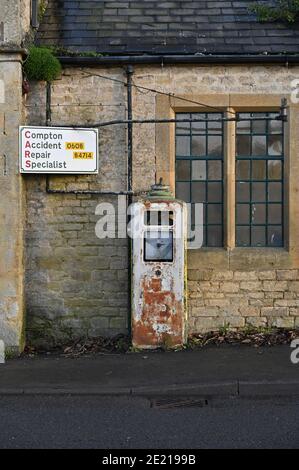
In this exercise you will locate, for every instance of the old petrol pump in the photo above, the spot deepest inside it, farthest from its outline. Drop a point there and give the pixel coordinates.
(158, 271)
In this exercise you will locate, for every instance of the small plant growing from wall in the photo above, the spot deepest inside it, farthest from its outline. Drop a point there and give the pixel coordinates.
(42, 9)
(280, 10)
(41, 64)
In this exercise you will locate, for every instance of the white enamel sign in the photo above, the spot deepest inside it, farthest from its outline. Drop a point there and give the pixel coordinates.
(58, 150)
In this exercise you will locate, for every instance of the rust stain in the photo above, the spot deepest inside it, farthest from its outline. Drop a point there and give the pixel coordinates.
(158, 317)
(161, 321)
(154, 285)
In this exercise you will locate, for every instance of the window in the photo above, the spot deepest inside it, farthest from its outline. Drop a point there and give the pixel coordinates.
(199, 170)
(259, 181)
(259, 176)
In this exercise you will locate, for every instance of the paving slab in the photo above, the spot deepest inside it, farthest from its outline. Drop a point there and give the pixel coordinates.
(211, 371)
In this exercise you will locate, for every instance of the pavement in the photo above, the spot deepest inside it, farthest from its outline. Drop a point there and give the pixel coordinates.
(242, 371)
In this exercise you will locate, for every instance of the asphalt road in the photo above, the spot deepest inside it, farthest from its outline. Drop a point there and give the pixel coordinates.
(128, 423)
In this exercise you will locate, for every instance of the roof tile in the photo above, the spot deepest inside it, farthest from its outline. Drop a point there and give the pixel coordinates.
(163, 27)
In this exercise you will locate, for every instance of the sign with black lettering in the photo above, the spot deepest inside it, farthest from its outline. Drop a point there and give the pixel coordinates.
(58, 150)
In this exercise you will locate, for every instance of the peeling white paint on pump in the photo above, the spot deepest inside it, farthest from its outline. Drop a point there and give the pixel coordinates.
(158, 287)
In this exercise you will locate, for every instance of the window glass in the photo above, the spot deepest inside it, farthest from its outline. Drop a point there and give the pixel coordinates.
(259, 180)
(199, 169)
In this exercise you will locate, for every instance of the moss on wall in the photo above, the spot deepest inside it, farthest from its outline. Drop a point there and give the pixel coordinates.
(42, 65)
(285, 10)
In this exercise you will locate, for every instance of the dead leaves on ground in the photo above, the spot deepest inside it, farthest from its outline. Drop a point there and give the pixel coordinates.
(121, 344)
(257, 338)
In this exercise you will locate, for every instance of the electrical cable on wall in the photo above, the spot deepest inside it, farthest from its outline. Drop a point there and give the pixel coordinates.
(159, 92)
(161, 121)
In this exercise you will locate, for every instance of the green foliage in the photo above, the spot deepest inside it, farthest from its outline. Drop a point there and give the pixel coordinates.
(42, 9)
(10, 353)
(223, 330)
(41, 64)
(62, 51)
(283, 10)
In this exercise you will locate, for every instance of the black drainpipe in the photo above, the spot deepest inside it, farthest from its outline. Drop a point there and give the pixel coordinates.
(48, 119)
(34, 13)
(129, 72)
(48, 104)
(129, 192)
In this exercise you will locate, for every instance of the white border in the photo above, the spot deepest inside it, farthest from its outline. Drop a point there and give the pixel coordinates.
(25, 172)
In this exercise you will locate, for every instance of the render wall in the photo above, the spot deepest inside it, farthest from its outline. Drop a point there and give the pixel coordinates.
(76, 282)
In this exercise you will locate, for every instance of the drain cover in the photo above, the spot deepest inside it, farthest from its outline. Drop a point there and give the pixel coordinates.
(176, 402)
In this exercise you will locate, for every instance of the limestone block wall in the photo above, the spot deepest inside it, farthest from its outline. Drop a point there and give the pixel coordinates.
(237, 299)
(14, 21)
(11, 203)
(77, 282)
(14, 25)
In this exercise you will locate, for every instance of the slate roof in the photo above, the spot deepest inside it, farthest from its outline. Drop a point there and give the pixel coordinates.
(122, 27)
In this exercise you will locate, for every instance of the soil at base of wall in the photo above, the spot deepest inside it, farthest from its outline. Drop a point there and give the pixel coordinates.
(121, 344)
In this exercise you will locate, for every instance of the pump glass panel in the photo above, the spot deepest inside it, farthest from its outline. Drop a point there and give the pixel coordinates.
(158, 245)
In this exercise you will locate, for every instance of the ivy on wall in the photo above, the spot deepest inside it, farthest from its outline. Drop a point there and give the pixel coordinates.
(284, 10)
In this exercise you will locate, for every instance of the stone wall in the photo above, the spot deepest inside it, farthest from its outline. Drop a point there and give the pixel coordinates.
(14, 21)
(14, 24)
(11, 204)
(76, 282)
(237, 299)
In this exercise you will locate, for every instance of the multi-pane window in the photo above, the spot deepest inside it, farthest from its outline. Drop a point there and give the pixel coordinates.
(259, 161)
(199, 170)
(259, 181)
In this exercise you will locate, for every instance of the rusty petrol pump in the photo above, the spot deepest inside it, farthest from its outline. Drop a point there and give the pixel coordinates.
(159, 270)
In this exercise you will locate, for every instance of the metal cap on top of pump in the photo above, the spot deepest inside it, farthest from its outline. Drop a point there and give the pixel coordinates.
(160, 191)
